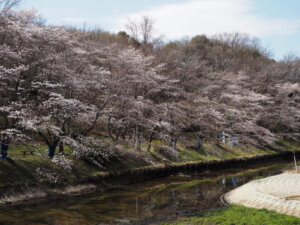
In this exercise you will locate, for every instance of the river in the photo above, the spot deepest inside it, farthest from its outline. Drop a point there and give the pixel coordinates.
(151, 202)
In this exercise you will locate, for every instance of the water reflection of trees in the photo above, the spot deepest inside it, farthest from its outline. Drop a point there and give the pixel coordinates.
(201, 197)
(156, 201)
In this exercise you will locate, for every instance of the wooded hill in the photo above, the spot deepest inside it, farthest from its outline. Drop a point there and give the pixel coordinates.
(66, 86)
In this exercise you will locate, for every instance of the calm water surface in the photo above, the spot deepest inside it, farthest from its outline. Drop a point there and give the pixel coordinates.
(151, 202)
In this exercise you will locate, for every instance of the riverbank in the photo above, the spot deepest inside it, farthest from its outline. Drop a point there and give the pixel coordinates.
(104, 180)
(23, 177)
(35, 195)
(155, 201)
(279, 193)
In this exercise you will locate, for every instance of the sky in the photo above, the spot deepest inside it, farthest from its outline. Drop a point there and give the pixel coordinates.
(275, 22)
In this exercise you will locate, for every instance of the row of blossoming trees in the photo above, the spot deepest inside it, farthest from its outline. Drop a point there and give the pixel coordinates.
(61, 87)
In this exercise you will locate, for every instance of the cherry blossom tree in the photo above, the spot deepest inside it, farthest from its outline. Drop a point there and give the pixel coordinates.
(139, 90)
(66, 86)
(41, 82)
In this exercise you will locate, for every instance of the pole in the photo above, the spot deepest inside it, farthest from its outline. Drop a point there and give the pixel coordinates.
(295, 161)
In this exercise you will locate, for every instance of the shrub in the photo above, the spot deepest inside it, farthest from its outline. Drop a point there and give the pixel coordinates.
(168, 152)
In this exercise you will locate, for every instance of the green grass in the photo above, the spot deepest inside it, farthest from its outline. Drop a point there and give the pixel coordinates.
(289, 145)
(21, 170)
(211, 151)
(237, 215)
(188, 154)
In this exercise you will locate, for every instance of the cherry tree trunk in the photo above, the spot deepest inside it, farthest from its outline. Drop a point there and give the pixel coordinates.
(150, 141)
(149, 146)
(51, 150)
(137, 142)
(174, 143)
(61, 148)
(4, 149)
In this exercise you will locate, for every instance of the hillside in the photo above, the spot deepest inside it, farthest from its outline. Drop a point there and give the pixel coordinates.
(96, 93)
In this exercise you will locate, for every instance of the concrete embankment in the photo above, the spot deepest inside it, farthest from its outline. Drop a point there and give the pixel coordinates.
(280, 193)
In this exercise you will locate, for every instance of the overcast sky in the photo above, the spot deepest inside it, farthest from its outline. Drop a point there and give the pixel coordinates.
(275, 22)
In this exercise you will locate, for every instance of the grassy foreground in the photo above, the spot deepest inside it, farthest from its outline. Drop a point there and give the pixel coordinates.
(237, 215)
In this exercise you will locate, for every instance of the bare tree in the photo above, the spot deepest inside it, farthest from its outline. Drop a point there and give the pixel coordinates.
(146, 29)
(8, 4)
(132, 29)
(141, 31)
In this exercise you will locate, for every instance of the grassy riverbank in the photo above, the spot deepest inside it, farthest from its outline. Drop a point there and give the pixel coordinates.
(24, 172)
(238, 215)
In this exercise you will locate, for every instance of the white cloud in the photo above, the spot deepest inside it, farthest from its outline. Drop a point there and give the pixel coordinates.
(210, 17)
